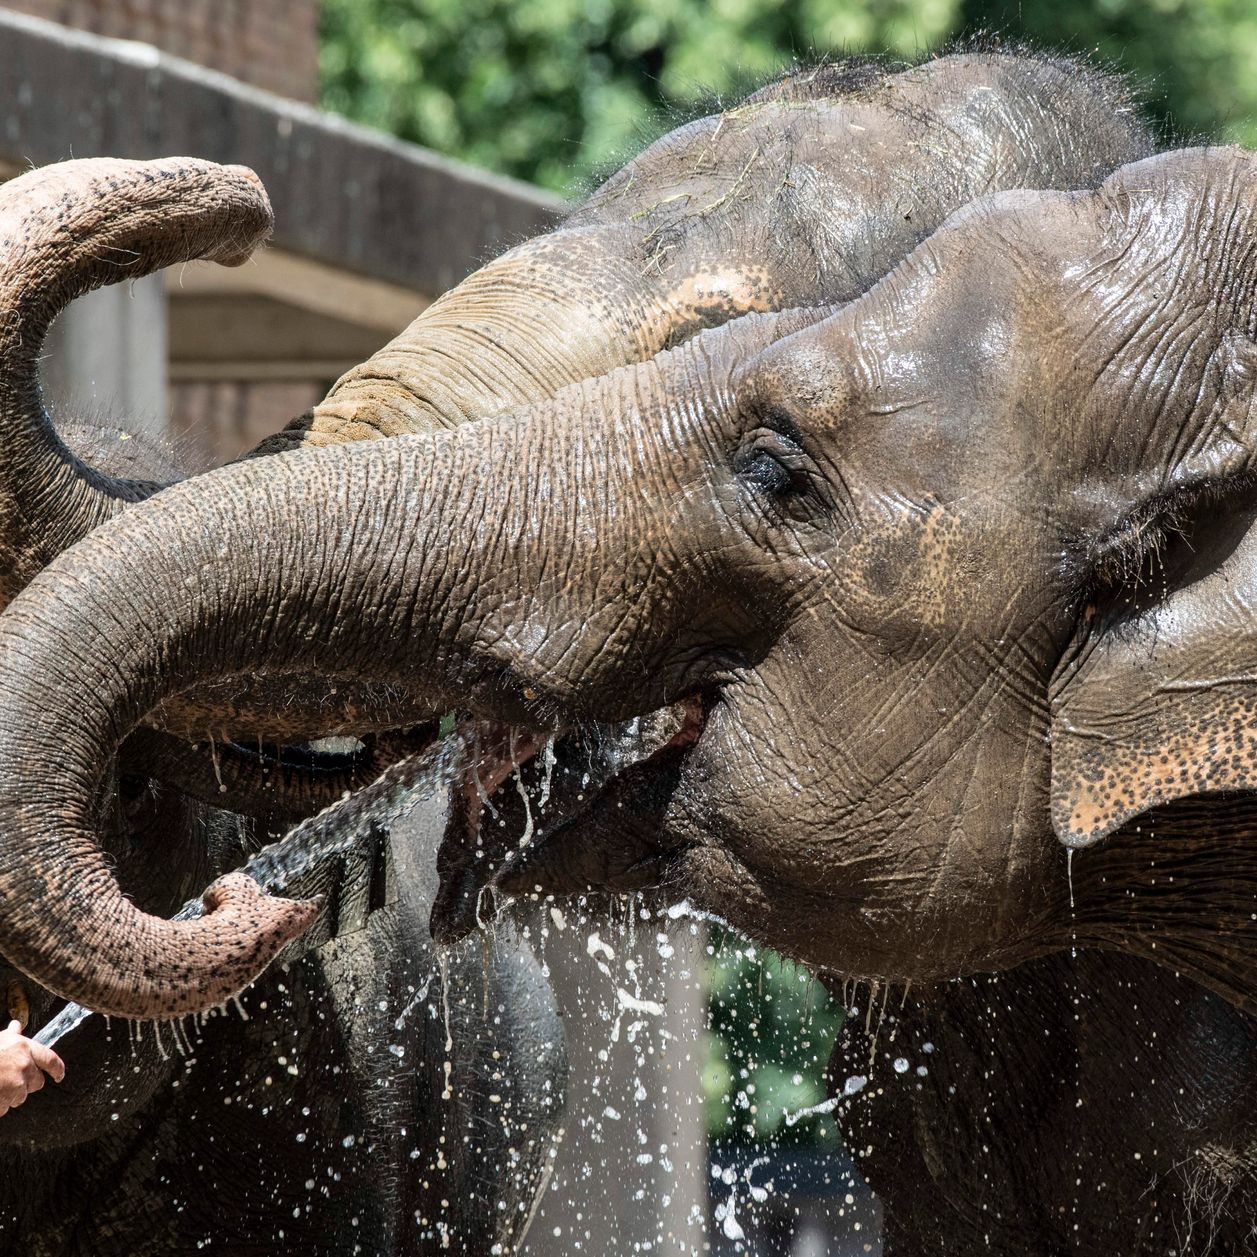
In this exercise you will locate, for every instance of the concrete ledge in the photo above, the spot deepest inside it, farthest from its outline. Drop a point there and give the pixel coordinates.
(344, 195)
(305, 282)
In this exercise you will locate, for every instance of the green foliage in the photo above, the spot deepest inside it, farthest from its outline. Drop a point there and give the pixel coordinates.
(1192, 58)
(772, 1026)
(554, 90)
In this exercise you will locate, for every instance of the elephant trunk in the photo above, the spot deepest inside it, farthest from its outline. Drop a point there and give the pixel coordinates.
(65, 230)
(88, 663)
(558, 309)
(336, 563)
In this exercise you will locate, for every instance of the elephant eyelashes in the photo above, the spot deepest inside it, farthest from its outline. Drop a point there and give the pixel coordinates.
(772, 471)
(772, 459)
(1156, 546)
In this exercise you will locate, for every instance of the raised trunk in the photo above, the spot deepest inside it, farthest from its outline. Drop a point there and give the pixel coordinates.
(64, 231)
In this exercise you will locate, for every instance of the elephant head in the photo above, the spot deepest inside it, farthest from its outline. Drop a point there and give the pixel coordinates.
(854, 547)
(805, 193)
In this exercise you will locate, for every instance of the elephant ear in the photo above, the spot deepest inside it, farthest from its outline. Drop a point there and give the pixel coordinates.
(1160, 704)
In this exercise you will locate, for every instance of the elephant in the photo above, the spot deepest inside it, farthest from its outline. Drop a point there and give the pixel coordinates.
(885, 574)
(663, 244)
(825, 672)
(957, 124)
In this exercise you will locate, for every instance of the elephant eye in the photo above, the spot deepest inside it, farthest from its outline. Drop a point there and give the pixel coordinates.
(772, 459)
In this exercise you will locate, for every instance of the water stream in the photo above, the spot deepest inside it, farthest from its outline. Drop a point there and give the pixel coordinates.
(309, 851)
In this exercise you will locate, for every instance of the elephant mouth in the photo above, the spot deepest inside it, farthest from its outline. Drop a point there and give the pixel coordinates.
(527, 795)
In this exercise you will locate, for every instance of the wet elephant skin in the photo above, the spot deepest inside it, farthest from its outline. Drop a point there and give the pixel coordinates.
(883, 548)
(323, 1122)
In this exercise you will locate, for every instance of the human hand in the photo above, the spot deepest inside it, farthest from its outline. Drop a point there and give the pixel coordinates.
(23, 1064)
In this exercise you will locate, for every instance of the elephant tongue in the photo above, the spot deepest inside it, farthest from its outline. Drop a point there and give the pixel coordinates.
(498, 751)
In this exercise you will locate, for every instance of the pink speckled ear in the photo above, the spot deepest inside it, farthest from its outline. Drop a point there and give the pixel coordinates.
(1161, 706)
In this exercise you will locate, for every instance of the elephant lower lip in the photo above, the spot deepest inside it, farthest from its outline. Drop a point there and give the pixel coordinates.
(562, 788)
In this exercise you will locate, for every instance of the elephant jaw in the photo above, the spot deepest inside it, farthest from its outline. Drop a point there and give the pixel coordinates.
(524, 818)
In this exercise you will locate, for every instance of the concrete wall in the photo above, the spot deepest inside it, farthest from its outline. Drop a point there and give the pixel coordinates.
(105, 357)
(631, 1174)
(272, 44)
(367, 229)
(351, 200)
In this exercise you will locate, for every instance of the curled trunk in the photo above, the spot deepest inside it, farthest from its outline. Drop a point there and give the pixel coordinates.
(368, 599)
(554, 311)
(66, 922)
(64, 231)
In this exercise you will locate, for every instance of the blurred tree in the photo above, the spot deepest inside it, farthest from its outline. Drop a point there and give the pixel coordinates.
(1192, 58)
(772, 1026)
(554, 90)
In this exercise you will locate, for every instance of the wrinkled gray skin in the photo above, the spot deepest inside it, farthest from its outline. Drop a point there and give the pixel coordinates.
(137, 1153)
(805, 193)
(884, 544)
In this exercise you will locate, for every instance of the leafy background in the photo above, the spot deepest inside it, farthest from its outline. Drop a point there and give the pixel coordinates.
(557, 91)
(770, 1031)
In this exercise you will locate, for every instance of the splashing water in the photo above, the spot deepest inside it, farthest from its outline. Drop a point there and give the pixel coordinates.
(310, 849)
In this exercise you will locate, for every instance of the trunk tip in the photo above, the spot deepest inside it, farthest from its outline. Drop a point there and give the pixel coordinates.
(253, 927)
